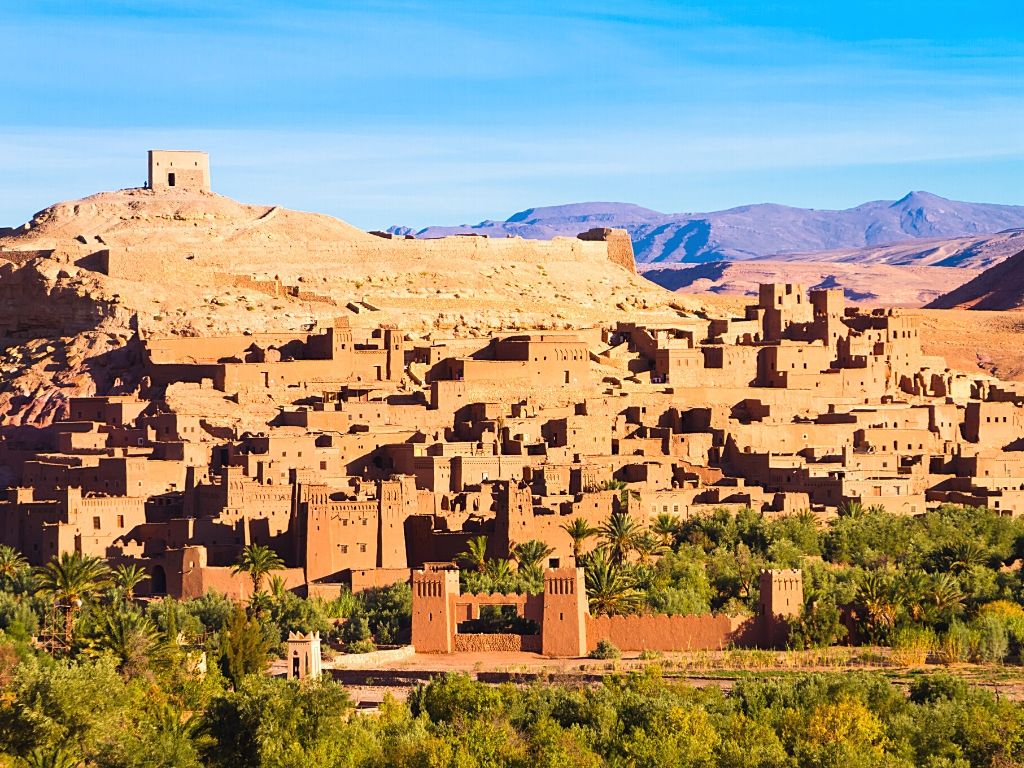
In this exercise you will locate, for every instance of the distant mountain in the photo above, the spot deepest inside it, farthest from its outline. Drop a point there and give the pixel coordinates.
(999, 287)
(755, 231)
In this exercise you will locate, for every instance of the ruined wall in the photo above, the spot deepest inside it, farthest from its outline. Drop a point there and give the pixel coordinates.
(620, 246)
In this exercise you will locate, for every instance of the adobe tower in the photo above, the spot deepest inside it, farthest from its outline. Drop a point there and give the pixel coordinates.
(179, 169)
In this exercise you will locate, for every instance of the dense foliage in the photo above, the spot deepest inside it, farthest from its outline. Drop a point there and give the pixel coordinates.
(92, 676)
(77, 713)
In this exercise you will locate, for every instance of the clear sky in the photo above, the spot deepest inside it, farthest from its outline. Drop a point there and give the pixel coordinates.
(440, 112)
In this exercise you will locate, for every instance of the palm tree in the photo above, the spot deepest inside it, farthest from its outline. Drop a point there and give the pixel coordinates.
(475, 554)
(132, 638)
(11, 564)
(610, 590)
(666, 526)
(946, 596)
(531, 554)
(648, 546)
(620, 533)
(852, 509)
(879, 603)
(498, 571)
(71, 579)
(277, 587)
(964, 555)
(579, 531)
(126, 578)
(56, 757)
(258, 560)
(915, 586)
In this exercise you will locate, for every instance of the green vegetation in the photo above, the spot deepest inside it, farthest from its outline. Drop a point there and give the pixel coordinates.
(944, 586)
(92, 676)
(84, 713)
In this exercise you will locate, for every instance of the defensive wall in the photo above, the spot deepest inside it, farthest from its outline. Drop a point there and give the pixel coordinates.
(566, 628)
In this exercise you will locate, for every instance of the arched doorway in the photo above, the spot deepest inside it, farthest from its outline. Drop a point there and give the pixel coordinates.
(158, 580)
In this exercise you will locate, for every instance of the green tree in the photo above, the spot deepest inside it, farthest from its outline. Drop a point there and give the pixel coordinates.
(244, 647)
(475, 554)
(531, 555)
(648, 547)
(666, 528)
(610, 590)
(579, 531)
(69, 580)
(126, 578)
(258, 560)
(133, 640)
(12, 564)
(53, 757)
(620, 533)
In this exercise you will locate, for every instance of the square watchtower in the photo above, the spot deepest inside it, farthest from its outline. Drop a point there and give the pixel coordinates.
(179, 169)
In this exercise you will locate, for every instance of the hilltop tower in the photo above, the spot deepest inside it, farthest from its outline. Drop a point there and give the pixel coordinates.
(179, 169)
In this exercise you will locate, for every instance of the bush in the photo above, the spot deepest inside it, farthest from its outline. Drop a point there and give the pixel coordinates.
(955, 646)
(937, 687)
(605, 649)
(361, 646)
(388, 611)
(993, 640)
(912, 645)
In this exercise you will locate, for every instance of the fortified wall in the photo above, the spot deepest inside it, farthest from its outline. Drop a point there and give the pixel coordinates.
(566, 628)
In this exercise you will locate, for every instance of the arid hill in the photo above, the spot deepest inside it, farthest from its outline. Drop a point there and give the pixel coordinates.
(83, 278)
(998, 288)
(870, 284)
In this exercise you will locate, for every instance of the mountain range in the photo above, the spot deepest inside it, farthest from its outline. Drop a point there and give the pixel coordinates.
(765, 230)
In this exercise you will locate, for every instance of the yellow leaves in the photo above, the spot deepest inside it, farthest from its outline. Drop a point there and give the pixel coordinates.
(844, 721)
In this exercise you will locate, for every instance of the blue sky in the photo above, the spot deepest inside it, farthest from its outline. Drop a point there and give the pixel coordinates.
(441, 112)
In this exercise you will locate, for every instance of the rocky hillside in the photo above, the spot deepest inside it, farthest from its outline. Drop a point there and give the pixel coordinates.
(759, 231)
(83, 280)
(998, 288)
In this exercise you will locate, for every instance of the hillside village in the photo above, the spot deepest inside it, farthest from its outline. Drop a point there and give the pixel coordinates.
(382, 453)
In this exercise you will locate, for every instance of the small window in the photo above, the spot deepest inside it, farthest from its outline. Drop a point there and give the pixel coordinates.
(95, 523)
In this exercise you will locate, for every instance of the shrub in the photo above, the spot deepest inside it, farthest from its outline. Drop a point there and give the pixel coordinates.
(955, 646)
(605, 649)
(993, 640)
(911, 646)
(361, 646)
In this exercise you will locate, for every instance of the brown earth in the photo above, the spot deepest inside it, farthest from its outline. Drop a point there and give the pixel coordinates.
(997, 288)
(865, 284)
